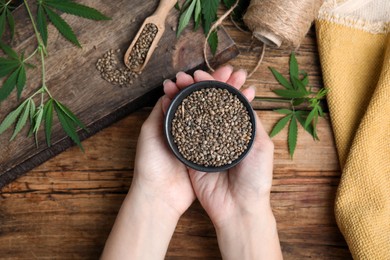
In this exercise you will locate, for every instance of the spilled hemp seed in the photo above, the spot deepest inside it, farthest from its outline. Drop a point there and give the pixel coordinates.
(116, 72)
(211, 127)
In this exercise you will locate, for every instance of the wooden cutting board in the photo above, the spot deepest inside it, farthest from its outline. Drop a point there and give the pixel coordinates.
(73, 79)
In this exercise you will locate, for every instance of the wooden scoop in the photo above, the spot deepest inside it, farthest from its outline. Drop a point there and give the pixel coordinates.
(158, 19)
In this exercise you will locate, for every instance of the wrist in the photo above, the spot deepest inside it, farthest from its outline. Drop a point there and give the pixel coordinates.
(248, 208)
(151, 207)
(249, 235)
(244, 220)
(152, 198)
(143, 228)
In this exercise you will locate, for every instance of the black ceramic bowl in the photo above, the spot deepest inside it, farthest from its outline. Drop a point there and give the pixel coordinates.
(178, 100)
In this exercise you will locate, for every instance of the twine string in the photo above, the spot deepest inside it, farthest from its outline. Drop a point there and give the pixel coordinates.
(214, 27)
(259, 61)
(238, 26)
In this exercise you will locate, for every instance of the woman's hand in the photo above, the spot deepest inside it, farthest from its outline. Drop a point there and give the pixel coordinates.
(238, 200)
(158, 174)
(160, 193)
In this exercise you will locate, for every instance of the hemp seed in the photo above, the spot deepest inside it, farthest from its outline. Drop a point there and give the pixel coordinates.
(113, 71)
(211, 127)
(141, 47)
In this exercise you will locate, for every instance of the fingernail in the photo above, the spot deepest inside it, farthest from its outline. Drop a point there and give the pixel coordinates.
(178, 74)
(166, 81)
(197, 71)
(245, 71)
(252, 87)
(229, 66)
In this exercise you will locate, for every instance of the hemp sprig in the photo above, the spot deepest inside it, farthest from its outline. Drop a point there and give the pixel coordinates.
(204, 12)
(13, 69)
(297, 91)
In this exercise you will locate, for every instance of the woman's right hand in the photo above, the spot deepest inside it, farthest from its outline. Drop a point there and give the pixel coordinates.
(238, 200)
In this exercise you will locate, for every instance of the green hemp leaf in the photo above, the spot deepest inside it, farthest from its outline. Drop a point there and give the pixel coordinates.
(69, 122)
(204, 12)
(28, 110)
(239, 11)
(209, 15)
(13, 70)
(296, 92)
(198, 14)
(6, 18)
(209, 12)
(46, 10)
(186, 16)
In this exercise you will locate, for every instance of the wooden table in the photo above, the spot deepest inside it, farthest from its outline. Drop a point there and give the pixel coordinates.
(65, 208)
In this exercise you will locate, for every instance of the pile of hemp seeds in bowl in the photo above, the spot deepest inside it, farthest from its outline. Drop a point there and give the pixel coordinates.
(212, 128)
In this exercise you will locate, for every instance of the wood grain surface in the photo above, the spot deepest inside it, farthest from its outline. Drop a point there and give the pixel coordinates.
(73, 79)
(65, 208)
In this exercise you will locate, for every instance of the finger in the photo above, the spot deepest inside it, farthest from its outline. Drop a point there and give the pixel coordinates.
(256, 167)
(262, 140)
(260, 130)
(183, 80)
(201, 75)
(223, 73)
(156, 116)
(262, 144)
(165, 102)
(237, 79)
(249, 93)
(170, 88)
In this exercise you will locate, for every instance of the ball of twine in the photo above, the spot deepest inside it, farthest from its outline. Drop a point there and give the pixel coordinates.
(281, 21)
(274, 22)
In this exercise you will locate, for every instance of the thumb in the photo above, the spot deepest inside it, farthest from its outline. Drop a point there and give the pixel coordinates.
(257, 167)
(155, 120)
